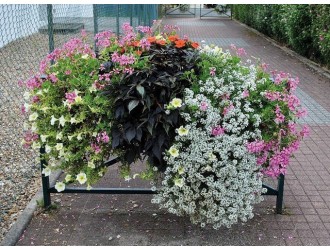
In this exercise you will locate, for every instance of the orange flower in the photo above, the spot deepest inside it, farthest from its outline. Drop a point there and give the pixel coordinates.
(136, 43)
(180, 43)
(138, 52)
(161, 42)
(173, 38)
(194, 45)
(151, 39)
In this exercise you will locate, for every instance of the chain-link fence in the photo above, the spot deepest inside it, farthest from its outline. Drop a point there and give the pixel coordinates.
(27, 33)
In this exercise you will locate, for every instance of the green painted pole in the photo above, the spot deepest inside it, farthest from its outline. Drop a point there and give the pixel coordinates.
(117, 19)
(50, 27)
(96, 26)
(131, 15)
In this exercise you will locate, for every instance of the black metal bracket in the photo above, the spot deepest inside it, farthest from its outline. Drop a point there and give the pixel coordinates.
(47, 190)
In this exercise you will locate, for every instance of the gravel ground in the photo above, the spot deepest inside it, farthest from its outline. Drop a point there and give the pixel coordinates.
(19, 170)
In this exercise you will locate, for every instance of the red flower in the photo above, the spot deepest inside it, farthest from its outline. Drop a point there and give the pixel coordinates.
(180, 43)
(194, 45)
(151, 39)
(161, 42)
(173, 38)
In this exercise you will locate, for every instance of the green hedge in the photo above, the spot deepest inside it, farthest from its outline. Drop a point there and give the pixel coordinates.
(303, 28)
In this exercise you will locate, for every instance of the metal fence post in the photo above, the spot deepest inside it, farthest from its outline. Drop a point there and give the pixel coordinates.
(279, 198)
(96, 26)
(117, 20)
(50, 27)
(131, 15)
(44, 180)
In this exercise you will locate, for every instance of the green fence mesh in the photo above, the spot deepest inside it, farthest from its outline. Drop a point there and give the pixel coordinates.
(25, 39)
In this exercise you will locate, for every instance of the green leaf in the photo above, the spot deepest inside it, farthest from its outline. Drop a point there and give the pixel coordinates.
(132, 104)
(140, 89)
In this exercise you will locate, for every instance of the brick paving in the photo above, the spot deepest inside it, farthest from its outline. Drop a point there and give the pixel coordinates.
(133, 220)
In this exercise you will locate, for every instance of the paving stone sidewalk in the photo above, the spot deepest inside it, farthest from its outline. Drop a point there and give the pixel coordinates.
(133, 220)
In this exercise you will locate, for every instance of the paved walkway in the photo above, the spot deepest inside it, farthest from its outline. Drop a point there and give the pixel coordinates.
(133, 220)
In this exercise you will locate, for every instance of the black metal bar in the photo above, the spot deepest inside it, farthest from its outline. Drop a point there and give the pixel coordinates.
(105, 190)
(279, 198)
(270, 190)
(111, 162)
(44, 180)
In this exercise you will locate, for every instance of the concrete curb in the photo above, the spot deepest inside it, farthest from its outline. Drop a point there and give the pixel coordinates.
(318, 68)
(24, 219)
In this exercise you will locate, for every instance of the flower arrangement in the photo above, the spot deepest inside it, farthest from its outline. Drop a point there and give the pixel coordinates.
(67, 115)
(213, 126)
(238, 127)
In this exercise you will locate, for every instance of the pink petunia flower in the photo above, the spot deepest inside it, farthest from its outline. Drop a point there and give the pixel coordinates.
(203, 106)
(218, 130)
(245, 93)
(70, 97)
(212, 71)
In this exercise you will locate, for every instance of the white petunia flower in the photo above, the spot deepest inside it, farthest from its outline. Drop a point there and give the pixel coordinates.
(179, 182)
(73, 120)
(60, 186)
(44, 109)
(91, 164)
(46, 171)
(85, 56)
(79, 137)
(92, 89)
(78, 99)
(53, 120)
(34, 127)
(62, 121)
(26, 95)
(48, 149)
(59, 146)
(81, 178)
(68, 178)
(59, 136)
(176, 102)
(36, 145)
(183, 131)
(33, 116)
(173, 151)
(89, 187)
(43, 137)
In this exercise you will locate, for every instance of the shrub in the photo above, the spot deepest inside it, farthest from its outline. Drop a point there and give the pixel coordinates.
(304, 28)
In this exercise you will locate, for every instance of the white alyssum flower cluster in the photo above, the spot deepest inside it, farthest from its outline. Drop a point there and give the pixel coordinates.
(211, 177)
